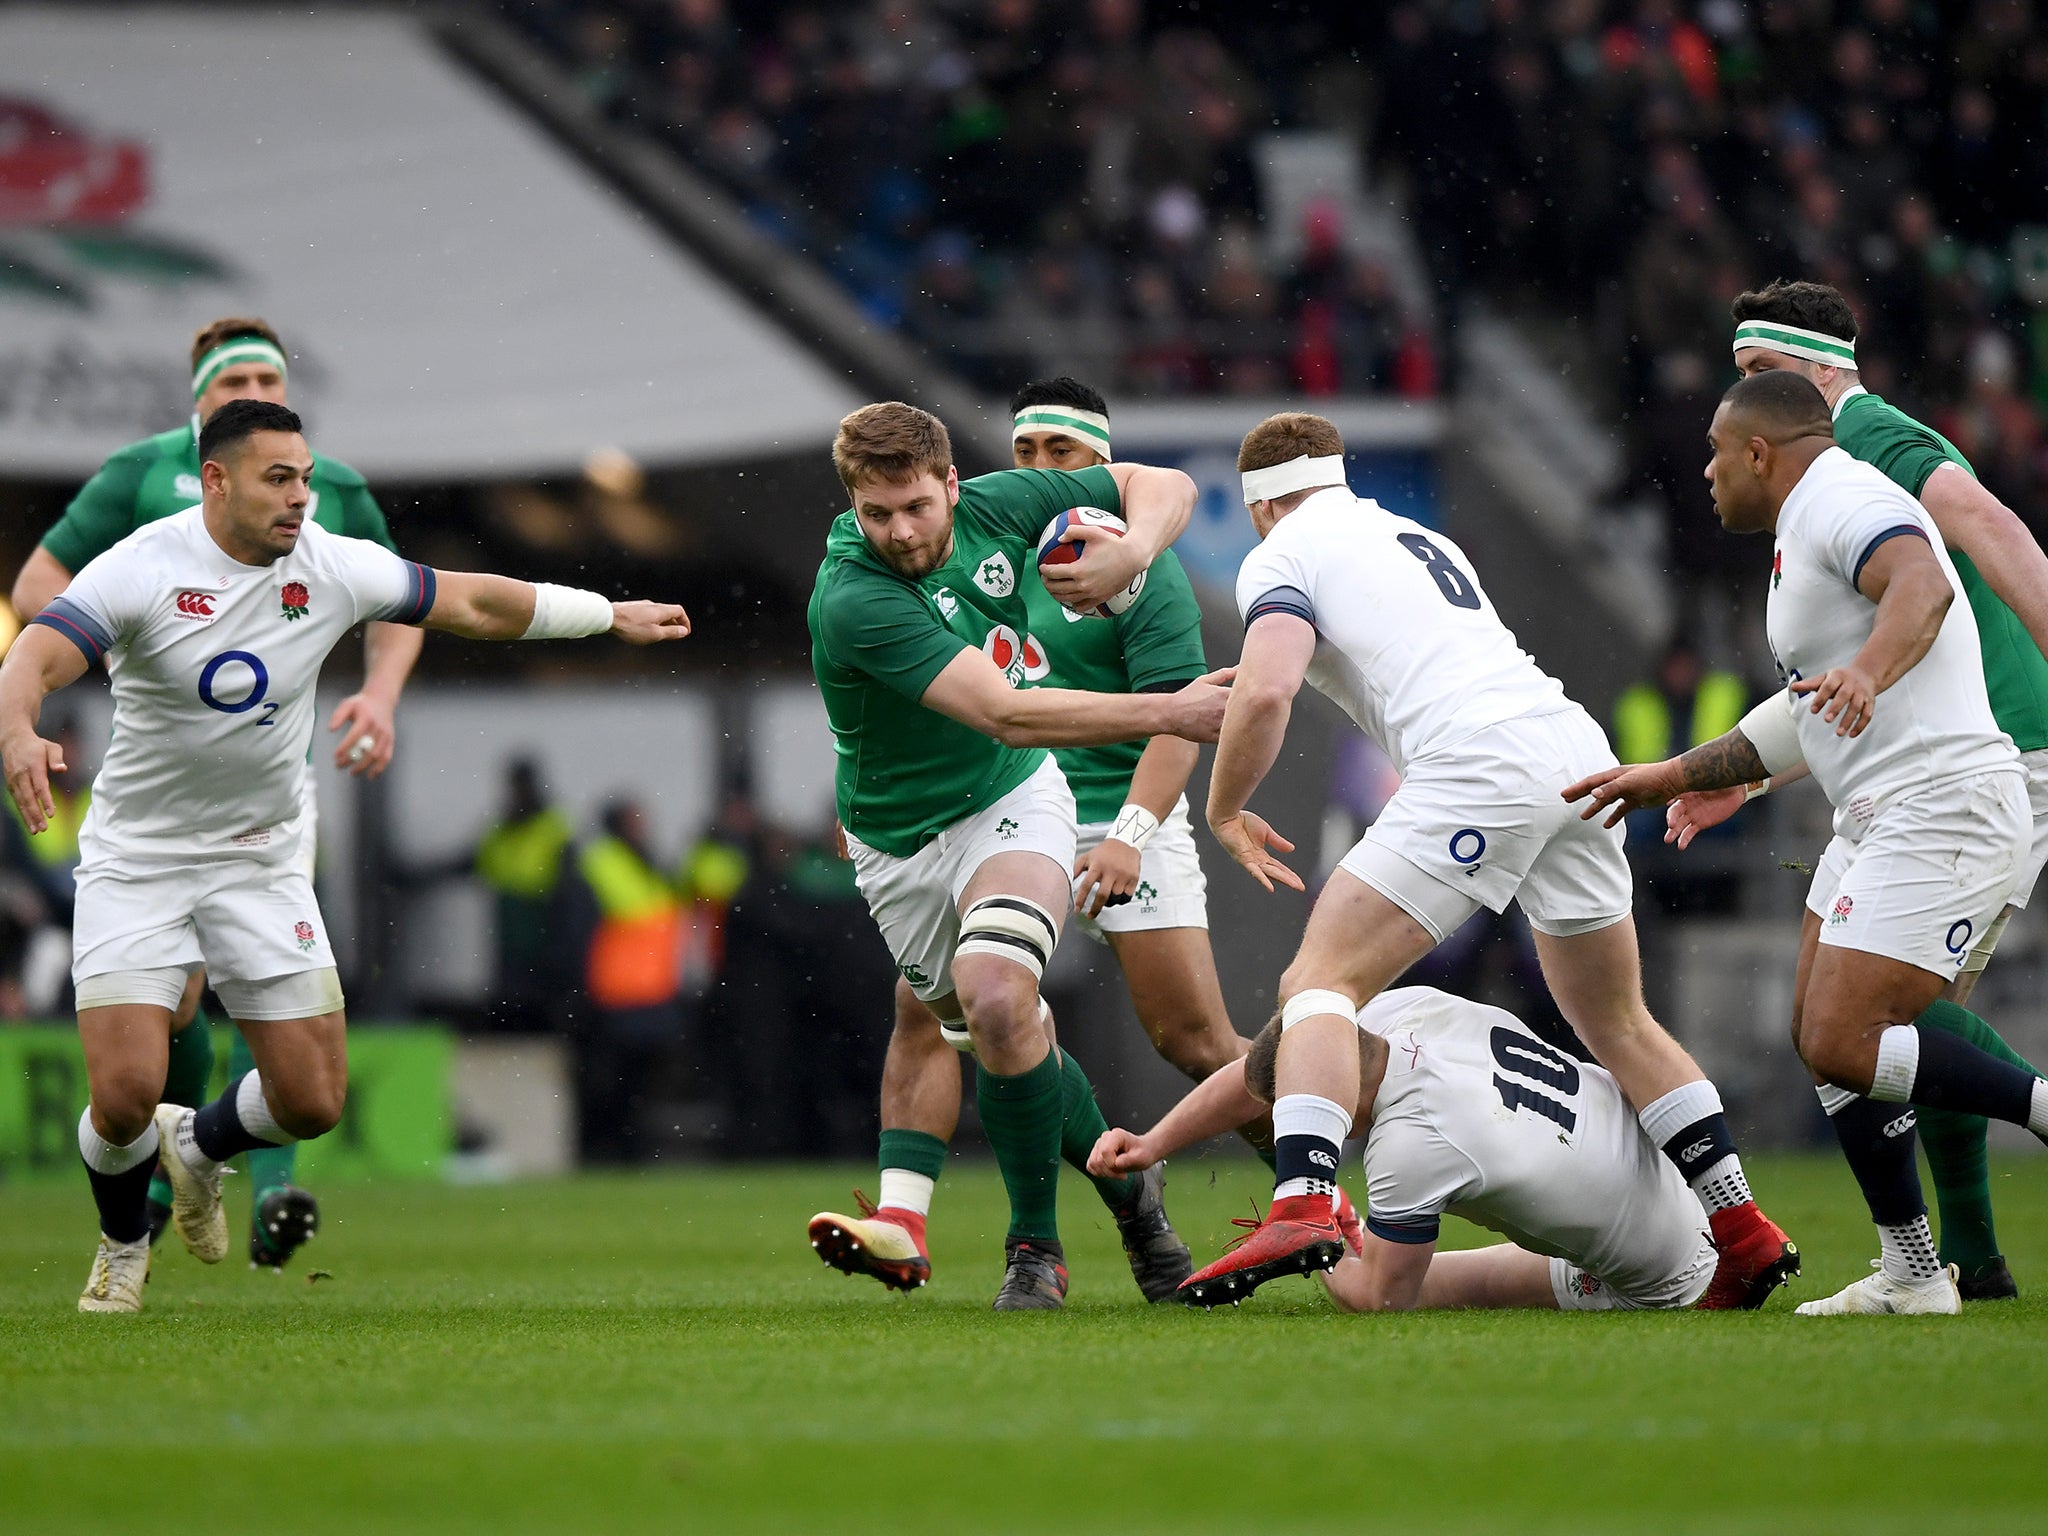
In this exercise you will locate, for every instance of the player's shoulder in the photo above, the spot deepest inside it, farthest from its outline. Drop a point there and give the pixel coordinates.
(342, 477)
(139, 457)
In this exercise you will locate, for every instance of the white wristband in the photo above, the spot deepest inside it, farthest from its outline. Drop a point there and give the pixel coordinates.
(1135, 826)
(567, 613)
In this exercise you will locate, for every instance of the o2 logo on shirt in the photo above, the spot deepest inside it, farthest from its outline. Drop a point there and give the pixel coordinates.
(212, 684)
(1021, 658)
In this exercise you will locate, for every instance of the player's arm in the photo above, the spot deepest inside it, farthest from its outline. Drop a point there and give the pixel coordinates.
(1697, 811)
(1976, 522)
(1763, 747)
(973, 690)
(1156, 505)
(1112, 867)
(1220, 1103)
(368, 718)
(1277, 650)
(479, 606)
(42, 577)
(40, 661)
(1913, 595)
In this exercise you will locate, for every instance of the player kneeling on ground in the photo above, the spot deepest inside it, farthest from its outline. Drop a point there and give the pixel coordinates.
(1465, 1112)
(214, 624)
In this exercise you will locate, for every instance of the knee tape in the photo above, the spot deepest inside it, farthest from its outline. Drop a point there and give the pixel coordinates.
(1314, 1002)
(954, 1033)
(1980, 953)
(162, 986)
(1014, 927)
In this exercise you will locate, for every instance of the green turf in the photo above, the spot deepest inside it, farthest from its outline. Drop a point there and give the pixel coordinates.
(665, 1354)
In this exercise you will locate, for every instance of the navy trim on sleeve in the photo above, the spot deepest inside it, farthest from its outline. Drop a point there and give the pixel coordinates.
(1415, 1233)
(1281, 600)
(419, 595)
(77, 626)
(1856, 576)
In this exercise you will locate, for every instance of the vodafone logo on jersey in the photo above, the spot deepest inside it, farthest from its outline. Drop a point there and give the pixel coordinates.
(197, 606)
(1021, 657)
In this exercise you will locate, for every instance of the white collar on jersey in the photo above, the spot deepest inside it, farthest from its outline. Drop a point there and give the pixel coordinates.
(1302, 474)
(1847, 395)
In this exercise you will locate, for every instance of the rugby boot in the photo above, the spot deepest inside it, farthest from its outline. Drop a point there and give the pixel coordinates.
(1298, 1236)
(1878, 1295)
(1159, 1259)
(196, 1211)
(1348, 1223)
(887, 1243)
(1755, 1258)
(285, 1219)
(118, 1273)
(1989, 1281)
(1036, 1277)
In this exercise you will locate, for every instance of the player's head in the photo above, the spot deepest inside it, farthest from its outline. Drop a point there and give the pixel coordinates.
(896, 463)
(1802, 328)
(1283, 460)
(1261, 1064)
(257, 473)
(1059, 424)
(1767, 429)
(239, 358)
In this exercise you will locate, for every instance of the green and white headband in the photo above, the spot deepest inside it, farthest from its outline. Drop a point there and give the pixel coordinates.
(1307, 473)
(238, 349)
(1796, 341)
(1090, 427)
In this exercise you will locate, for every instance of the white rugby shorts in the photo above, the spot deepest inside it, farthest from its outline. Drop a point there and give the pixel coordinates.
(242, 920)
(1930, 875)
(1484, 822)
(1172, 890)
(2036, 764)
(915, 901)
(1686, 1274)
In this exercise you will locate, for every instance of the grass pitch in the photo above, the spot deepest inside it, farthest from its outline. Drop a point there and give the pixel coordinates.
(665, 1354)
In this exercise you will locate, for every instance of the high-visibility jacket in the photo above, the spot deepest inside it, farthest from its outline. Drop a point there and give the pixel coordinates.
(1643, 724)
(635, 958)
(524, 858)
(56, 846)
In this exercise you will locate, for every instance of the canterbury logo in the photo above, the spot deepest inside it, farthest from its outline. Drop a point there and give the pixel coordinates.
(1697, 1150)
(195, 605)
(1322, 1159)
(1902, 1126)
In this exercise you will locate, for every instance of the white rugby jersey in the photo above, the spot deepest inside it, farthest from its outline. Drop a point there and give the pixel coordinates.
(214, 665)
(1479, 1118)
(1407, 643)
(1934, 724)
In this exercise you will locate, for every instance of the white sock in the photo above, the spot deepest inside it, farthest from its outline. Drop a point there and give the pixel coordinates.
(1723, 1186)
(1687, 1104)
(903, 1190)
(1908, 1252)
(2037, 1113)
(1898, 1064)
(253, 1110)
(103, 1156)
(1308, 1114)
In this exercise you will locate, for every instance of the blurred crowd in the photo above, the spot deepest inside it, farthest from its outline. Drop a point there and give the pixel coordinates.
(1076, 182)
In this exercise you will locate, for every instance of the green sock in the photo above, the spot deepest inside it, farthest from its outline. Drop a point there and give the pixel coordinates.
(1021, 1116)
(268, 1167)
(914, 1151)
(1081, 1126)
(1956, 1153)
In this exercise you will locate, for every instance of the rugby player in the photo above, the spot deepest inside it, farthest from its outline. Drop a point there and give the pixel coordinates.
(1389, 620)
(191, 845)
(960, 825)
(1465, 1112)
(233, 359)
(1809, 329)
(1138, 887)
(1932, 825)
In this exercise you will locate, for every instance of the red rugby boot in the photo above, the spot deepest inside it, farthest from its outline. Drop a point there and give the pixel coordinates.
(886, 1242)
(1756, 1258)
(1298, 1236)
(1349, 1224)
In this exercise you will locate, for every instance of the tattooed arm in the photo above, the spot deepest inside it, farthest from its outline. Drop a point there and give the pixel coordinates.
(1724, 763)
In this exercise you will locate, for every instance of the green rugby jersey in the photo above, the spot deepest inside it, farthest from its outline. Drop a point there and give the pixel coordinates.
(1906, 453)
(905, 773)
(159, 476)
(1158, 639)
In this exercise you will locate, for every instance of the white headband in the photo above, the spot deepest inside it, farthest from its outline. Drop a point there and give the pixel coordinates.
(1304, 473)
(1090, 427)
(1796, 341)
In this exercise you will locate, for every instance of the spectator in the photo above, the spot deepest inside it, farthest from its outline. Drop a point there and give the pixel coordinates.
(520, 861)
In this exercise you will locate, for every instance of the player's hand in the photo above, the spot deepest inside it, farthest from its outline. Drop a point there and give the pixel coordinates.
(1700, 810)
(369, 735)
(1848, 695)
(28, 761)
(1105, 876)
(644, 623)
(1199, 706)
(1643, 787)
(1110, 561)
(1247, 839)
(1118, 1151)
(839, 840)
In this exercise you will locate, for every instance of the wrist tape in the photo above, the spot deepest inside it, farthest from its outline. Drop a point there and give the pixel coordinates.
(1135, 826)
(567, 613)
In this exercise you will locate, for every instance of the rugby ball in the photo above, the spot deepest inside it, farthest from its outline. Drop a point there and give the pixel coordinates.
(1055, 549)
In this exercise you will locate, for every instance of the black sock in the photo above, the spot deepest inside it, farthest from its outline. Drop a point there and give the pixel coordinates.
(123, 1199)
(218, 1128)
(1957, 1075)
(1877, 1140)
(1312, 1159)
